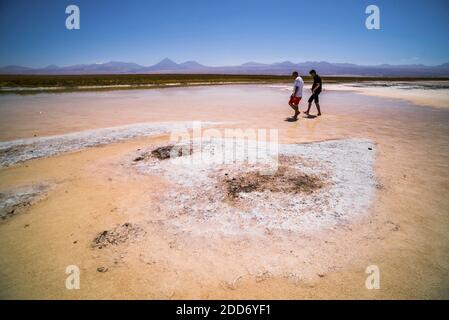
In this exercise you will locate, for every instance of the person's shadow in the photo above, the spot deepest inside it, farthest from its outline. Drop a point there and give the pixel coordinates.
(307, 116)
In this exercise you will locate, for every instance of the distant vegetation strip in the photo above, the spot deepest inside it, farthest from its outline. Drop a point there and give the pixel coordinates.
(32, 84)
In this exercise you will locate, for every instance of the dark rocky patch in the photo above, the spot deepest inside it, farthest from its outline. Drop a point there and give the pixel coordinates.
(166, 152)
(139, 158)
(285, 180)
(118, 235)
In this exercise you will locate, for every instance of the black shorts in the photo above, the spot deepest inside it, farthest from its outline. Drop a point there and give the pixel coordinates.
(315, 97)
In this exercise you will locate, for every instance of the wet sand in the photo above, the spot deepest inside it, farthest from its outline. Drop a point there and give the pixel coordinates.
(404, 232)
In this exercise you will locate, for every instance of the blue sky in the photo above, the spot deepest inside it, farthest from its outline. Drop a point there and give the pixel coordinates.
(33, 33)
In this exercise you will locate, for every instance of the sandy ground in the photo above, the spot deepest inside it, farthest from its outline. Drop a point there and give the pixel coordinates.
(404, 232)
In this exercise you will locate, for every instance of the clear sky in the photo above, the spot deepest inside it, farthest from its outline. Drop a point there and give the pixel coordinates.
(212, 32)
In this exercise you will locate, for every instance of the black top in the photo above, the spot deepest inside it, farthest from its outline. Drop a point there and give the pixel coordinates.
(316, 81)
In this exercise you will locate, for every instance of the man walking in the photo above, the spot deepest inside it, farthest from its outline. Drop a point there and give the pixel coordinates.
(295, 98)
(316, 90)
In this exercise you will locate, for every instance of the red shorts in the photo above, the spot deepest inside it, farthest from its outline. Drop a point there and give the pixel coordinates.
(294, 100)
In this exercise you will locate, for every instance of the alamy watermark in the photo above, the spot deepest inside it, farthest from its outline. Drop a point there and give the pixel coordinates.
(72, 22)
(226, 146)
(73, 280)
(372, 282)
(372, 22)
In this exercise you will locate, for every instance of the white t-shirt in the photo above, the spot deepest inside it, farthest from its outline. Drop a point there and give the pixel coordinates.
(300, 84)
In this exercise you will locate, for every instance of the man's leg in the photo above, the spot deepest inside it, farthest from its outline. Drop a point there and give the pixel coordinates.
(317, 103)
(308, 108)
(312, 97)
(292, 106)
(295, 107)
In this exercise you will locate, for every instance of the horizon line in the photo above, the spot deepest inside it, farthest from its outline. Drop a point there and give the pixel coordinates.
(224, 65)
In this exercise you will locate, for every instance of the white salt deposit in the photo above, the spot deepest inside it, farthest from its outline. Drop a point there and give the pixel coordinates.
(16, 200)
(198, 202)
(12, 152)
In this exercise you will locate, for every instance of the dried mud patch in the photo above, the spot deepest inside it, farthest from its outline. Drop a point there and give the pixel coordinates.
(170, 151)
(165, 152)
(120, 234)
(284, 180)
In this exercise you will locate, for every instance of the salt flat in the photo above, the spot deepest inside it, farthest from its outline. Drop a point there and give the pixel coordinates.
(365, 184)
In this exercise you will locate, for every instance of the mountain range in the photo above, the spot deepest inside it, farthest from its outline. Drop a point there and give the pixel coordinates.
(281, 68)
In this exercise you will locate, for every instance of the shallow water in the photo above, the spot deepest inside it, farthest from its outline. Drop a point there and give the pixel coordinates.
(423, 93)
